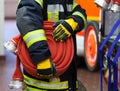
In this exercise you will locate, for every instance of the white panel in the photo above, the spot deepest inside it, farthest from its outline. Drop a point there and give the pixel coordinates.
(80, 45)
(1, 27)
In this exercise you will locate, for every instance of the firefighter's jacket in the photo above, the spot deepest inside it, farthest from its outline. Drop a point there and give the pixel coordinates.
(30, 16)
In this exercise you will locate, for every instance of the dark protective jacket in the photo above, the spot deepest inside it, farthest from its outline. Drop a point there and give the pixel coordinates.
(30, 17)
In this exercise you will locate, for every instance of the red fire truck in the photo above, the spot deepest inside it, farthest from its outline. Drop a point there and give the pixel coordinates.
(88, 38)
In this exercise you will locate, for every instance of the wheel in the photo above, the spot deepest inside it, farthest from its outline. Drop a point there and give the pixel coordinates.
(91, 45)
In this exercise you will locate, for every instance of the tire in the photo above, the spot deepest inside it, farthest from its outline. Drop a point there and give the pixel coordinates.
(91, 45)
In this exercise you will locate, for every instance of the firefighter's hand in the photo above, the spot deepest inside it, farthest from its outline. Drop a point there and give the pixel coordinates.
(64, 29)
(46, 69)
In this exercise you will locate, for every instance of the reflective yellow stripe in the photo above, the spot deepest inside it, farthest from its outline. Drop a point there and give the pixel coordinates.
(55, 79)
(44, 85)
(76, 84)
(56, 16)
(34, 36)
(40, 2)
(81, 15)
(53, 16)
(74, 4)
(53, 11)
(32, 89)
(19, 1)
(49, 16)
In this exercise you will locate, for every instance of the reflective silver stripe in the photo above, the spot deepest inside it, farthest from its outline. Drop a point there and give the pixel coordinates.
(43, 84)
(53, 11)
(33, 36)
(56, 16)
(69, 7)
(53, 16)
(54, 8)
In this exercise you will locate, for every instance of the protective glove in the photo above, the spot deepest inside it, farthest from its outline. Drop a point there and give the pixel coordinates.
(46, 69)
(64, 29)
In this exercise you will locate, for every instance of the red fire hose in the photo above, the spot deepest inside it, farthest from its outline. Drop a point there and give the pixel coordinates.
(61, 54)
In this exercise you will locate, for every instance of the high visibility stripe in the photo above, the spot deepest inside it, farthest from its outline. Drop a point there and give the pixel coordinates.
(56, 16)
(69, 7)
(81, 15)
(74, 4)
(53, 11)
(40, 2)
(76, 84)
(32, 89)
(19, 1)
(52, 16)
(49, 16)
(34, 36)
(54, 8)
(44, 85)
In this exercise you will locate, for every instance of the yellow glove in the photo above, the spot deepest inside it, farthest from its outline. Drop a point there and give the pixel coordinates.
(64, 29)
(46, 69)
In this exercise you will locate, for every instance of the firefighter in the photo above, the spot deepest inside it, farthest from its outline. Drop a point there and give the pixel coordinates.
(69, 18)
(113, 5)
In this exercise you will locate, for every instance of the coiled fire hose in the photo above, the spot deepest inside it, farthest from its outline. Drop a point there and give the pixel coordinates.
(61, 54)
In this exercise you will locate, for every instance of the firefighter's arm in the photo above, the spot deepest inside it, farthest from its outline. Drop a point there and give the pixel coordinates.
(73, 24)
(29, 20)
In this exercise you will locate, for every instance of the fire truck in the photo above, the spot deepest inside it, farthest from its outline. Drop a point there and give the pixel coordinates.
(99, 42)
(88, 38)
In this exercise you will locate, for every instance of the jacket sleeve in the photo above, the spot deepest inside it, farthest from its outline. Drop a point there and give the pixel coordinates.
(29, 20)
(79, 15)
